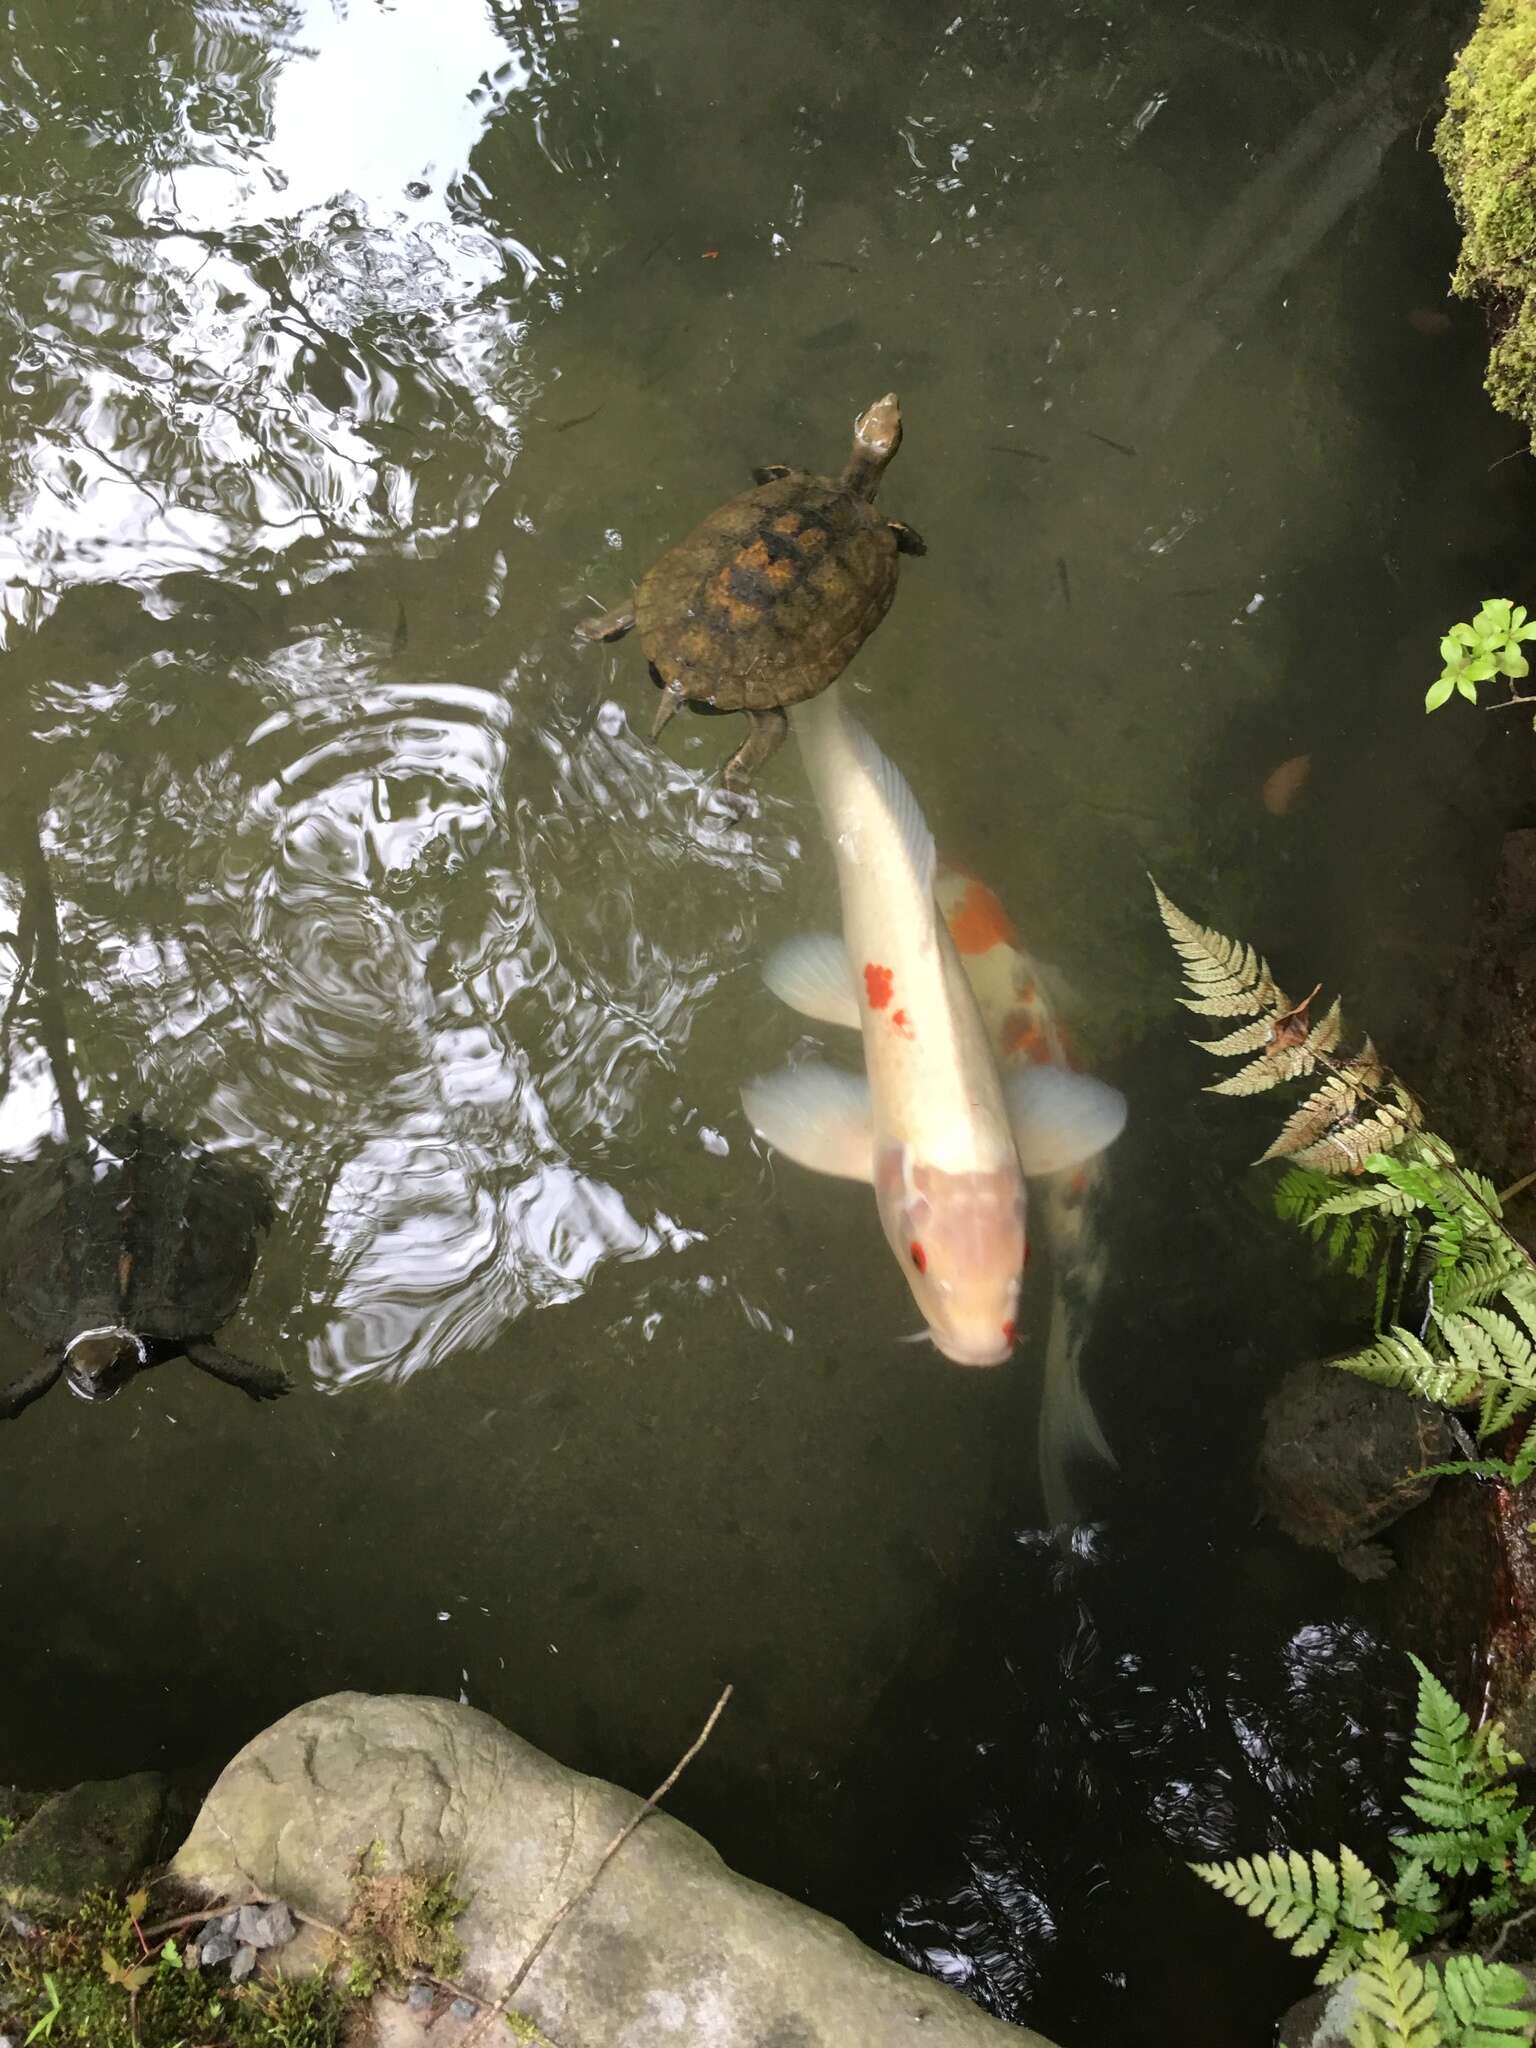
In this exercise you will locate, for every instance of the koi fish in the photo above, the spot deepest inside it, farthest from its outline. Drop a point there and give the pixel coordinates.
(1025, 1029)
(931, 1123)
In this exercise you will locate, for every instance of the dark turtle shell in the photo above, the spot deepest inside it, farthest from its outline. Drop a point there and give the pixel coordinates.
(768, 600)
(135, 1229)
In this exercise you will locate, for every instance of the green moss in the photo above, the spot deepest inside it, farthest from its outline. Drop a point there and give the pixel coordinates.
(1484, 146)
(89, 1984)
(7, 1827)
(400, 1923)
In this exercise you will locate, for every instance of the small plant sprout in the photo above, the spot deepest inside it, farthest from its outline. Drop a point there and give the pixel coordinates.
(1476, 653)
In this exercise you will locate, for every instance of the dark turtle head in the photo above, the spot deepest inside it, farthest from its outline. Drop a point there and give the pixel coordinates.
(98, 1363)
(876, 437)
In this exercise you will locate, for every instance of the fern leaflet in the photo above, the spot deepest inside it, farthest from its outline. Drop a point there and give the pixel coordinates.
(1478, 2003)
(1396, 2008)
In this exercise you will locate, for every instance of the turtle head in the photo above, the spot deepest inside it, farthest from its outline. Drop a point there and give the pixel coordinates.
(98, 1363)
(876, 437)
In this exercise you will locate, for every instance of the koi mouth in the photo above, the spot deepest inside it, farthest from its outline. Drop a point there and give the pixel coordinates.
(959, 1352)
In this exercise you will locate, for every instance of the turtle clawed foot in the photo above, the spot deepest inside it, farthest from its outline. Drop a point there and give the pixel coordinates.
(673, 698)
(908, 540)
(731, 799)
(609, 626)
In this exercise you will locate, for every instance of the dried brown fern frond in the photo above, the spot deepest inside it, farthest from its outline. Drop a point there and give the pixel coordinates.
(1226, 979)
(1359, 1109)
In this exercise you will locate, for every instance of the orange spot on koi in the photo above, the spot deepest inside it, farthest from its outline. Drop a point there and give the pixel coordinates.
(903, 1023)
(979, 922)
(878, 983)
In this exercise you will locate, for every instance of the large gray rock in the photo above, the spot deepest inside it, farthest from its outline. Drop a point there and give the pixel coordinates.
(101, 1833)
(670, 1948)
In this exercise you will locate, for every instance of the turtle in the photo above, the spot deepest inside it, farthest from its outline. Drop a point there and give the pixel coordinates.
(767, 600)
(119, 1253)
(1343, 1459)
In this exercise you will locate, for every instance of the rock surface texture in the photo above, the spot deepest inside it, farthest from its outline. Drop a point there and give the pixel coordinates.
(669, 1948)
(100, 1833)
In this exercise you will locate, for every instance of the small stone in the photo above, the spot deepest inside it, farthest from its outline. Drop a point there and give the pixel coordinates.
(419, 1997)
(216, 1948)
(243, 1964)
(463, 2008)
(265, 1926)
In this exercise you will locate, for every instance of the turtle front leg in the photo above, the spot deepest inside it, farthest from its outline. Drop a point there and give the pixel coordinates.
(770, 472)
(261, 1382)
(673, 698)
(611, 626)
(29, 1388)
(908, 540)
(766, 733)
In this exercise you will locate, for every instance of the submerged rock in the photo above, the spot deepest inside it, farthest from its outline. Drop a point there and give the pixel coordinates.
(1484, 147)
(1342, 1460)
(670, 1947)
(101, 1833)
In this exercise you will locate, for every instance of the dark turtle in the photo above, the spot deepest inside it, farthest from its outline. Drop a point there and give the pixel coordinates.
(120, 1253)
(1342, 1459)
(768, 601)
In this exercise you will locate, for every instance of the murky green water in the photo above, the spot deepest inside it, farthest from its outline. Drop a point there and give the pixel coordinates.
(355, 351)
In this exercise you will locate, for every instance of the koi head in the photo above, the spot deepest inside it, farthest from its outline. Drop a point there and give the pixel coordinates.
(960, 1239)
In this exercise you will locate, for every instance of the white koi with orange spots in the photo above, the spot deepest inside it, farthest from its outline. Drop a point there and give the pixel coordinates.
(1025, 1030)
(931, 1123)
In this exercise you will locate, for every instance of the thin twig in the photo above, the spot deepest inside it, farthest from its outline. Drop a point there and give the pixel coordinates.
(1516, 1187)
(490, 2014)
(1519, 1920)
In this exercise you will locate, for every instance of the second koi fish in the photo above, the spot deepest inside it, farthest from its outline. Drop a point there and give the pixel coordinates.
(931, 1122)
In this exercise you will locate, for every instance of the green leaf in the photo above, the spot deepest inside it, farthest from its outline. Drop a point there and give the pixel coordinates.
(1479, 2003)
(1439, 693)
(1493, 618)
(1395, 2007)
(1467, 690)
(1513, 663)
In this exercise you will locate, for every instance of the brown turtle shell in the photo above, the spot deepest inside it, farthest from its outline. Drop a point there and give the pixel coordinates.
(768, 599)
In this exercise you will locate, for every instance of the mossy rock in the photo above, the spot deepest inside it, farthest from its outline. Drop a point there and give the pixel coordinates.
(95, 1835)
(1484, 146)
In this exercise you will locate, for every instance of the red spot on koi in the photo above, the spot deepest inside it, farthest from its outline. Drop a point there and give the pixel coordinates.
(1010, 1332)
(1079, 1181)
(878, 983)
(919, 1256)
(1028, 1042)
(979, 922)
(903, 1023)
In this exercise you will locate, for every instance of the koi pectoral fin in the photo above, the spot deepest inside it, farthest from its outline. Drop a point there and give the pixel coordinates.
(813, 975)
(1060, 1118)
(817, 1116)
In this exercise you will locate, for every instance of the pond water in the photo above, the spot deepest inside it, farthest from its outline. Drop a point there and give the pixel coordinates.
(357, 351)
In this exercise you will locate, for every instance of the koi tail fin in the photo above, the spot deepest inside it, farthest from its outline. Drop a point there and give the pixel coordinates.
(1070, 1434)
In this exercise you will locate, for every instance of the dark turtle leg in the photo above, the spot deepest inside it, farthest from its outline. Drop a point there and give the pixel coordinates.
(261, 1382)
(766, 733)
(770, 472)
(611, 626)
(29, 1388)
(673, 698)
(908, 540)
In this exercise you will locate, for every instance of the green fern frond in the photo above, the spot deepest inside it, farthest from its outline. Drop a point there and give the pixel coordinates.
(1225, 978)
(1395, 2008)
(1305, 1904)
(1398, 1359)
(1480, 2004)
(1417, 1907)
